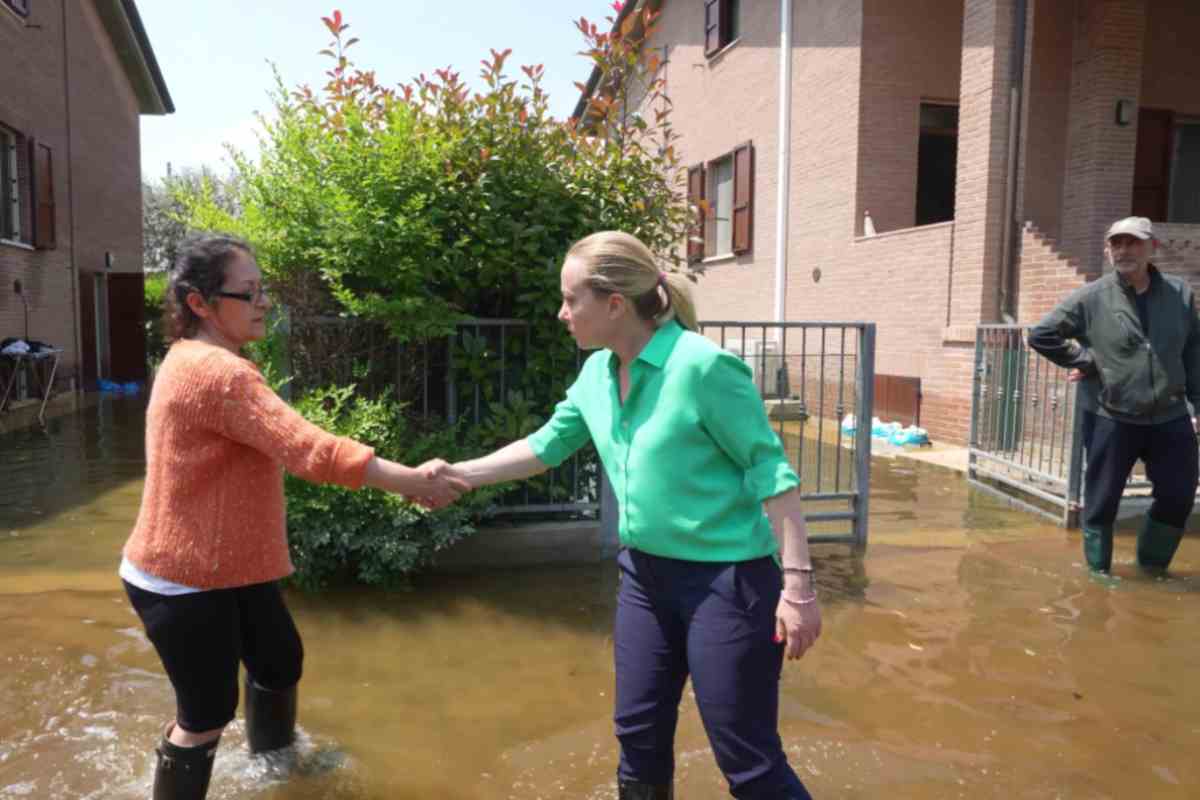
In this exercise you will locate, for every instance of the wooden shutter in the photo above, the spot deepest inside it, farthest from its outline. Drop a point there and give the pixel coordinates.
(695, 243)
(41, 182)
(743, 198)
(712, 25)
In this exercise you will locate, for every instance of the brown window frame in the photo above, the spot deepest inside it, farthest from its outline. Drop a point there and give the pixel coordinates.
(42, 209)
(701, 242)
(14, 186)
(722, 24)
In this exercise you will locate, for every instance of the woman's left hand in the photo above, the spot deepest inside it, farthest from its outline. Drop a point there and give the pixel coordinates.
(797, 625)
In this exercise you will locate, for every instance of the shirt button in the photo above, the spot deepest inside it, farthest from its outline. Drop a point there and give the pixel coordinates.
(625, 424)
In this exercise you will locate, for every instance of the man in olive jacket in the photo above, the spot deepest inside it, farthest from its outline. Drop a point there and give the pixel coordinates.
(1133, 337)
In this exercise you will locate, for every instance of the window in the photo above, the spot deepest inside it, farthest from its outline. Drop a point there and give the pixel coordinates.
(722, 192)
(27, 210)
(19, 6)
(937, 163)
(11, 185)
(1185, 174)
(718, 233)
(722, 24)
(1166, 180)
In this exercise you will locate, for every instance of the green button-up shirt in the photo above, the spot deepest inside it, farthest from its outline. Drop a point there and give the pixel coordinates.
(690, 453)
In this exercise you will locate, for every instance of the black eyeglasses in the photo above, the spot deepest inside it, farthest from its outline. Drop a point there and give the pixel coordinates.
(246, 297)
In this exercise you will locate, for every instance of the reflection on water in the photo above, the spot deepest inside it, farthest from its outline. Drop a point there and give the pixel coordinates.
(968, 654)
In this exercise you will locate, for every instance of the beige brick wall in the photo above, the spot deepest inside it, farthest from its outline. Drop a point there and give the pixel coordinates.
(33, 103)
(860, 70)
(105, 181)
(1047, 276)
(1098, 187)
(854, 146)
(912, 52)
(1050, 37)
(1171, 73)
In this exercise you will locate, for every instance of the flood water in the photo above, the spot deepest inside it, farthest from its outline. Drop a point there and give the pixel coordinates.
(968, 654)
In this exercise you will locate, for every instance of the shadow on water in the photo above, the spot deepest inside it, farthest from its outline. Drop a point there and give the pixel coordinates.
(966, 654)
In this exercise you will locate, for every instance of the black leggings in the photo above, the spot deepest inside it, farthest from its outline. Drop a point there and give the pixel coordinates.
(201, 638)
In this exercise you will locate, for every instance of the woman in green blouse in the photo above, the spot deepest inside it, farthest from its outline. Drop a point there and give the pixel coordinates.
(711, 586)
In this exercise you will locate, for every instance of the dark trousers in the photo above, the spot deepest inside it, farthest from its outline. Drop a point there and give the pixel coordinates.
(715, 622)
(1172, 465)
(202, 637)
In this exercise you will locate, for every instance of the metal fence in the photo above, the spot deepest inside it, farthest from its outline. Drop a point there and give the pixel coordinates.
(811, 375)
(1026, 441)
(478, 376)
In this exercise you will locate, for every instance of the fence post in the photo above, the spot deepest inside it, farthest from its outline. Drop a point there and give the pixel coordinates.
(976, 402)
(862, 432)
(1075, 464)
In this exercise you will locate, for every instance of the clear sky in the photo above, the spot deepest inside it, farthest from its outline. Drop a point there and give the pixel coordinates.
(214, 56)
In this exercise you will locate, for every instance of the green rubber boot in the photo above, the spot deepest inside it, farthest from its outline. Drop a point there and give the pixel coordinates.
(1097, 547)
(1157, 543)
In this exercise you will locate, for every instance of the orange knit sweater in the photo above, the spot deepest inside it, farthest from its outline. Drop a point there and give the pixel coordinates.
(217, 442)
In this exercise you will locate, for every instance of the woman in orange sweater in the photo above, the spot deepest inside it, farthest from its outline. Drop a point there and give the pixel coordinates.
(210, 544)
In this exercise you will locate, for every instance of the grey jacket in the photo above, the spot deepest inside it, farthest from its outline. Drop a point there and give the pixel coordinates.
(1137, 377)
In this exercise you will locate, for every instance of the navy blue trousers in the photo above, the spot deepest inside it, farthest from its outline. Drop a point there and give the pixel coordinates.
(715, 622)
(1169, 452)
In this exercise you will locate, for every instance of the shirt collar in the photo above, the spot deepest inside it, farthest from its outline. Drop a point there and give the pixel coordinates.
(658, 349)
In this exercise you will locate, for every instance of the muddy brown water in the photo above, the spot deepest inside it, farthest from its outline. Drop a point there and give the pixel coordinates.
(967, 654)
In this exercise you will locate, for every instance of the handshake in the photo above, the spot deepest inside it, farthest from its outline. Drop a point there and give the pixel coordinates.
(436, 484)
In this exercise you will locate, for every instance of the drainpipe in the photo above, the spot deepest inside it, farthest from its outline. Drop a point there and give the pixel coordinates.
(783, 198)
(1008, 277)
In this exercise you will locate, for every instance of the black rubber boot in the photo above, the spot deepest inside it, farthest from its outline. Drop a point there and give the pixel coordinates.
(632, 790)
(1156, 544)
(270, 717)
(183, 772)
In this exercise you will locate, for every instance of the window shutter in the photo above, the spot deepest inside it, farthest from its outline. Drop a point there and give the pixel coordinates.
(41, 183)
(712, 25)
(743, 198)
(695, 242)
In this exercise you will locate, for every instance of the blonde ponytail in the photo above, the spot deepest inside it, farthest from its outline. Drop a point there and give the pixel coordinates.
(680, 304)
(619, 263)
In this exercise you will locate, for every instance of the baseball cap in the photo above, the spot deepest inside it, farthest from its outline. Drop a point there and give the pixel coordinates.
(1131, 226)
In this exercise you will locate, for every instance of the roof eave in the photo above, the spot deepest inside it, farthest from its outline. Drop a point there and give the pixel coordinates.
(128, 35)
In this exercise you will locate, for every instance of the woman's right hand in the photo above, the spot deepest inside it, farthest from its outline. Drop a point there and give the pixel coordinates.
(434, 484)
(419, 484)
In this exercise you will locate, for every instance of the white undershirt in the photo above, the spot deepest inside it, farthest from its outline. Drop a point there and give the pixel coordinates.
(151, 583)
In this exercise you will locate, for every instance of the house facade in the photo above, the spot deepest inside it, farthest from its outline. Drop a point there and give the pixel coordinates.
(951, 163)
(77, 76)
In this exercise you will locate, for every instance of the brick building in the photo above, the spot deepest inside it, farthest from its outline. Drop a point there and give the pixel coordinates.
(990, 142)
(77, 75)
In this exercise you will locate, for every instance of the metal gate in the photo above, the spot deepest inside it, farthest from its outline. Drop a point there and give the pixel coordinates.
(1027, 428)
(811, 375)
